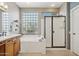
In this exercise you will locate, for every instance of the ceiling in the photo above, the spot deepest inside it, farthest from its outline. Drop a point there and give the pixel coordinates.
(39, 4)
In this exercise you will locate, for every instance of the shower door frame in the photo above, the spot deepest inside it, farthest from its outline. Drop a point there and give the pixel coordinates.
(52, 32)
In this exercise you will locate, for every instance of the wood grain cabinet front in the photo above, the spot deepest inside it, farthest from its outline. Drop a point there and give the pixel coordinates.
(9, 48)
(2, 49)
(16, 47)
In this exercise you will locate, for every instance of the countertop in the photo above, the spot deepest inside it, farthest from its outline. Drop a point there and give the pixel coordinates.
(2, 38)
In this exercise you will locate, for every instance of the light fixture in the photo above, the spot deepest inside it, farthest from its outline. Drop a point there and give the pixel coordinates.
(1, 4)
(3, 7)
(6, 6)
(52, 5)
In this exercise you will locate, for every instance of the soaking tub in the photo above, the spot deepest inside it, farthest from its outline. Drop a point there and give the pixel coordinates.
(33, 44)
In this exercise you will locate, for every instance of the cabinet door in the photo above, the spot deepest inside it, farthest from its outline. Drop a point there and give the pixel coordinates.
(2, 49)
(9, 48)
(75, 30)
(16, 46)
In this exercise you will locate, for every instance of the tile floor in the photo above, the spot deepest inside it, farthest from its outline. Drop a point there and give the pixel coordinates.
(51, 53)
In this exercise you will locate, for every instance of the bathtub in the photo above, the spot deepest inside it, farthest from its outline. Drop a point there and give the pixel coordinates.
(33, 44)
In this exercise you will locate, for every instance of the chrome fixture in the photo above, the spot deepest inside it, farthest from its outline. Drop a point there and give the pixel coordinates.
(3, 7)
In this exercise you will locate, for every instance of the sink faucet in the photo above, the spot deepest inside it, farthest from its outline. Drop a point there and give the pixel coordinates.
(3, 33)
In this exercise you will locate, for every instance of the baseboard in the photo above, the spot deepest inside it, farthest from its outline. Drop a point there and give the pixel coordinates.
(33, 52)
(56, 49)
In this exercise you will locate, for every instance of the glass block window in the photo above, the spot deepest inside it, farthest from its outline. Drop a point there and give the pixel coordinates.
(30, 23)
(5, 22)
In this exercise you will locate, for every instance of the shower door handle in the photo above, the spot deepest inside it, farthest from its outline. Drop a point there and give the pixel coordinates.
(53, 31)
(74, 33)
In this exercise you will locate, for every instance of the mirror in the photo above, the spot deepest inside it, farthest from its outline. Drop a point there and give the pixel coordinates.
(0, 21)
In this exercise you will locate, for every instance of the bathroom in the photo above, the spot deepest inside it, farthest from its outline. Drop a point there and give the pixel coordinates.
(43, 28)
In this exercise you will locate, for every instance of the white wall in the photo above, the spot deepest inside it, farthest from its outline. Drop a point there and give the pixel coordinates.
(42, 27)
(13, 11)
(63, 12)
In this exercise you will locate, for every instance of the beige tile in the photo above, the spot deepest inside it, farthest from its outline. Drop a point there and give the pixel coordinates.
(51, 53)
(30, 54)
(59, 53)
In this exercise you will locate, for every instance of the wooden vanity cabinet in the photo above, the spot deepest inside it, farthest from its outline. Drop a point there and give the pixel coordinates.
(10, 47)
